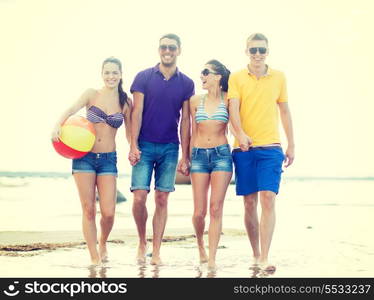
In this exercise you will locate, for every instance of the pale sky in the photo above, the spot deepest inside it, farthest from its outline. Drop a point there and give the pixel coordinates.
(51, 51)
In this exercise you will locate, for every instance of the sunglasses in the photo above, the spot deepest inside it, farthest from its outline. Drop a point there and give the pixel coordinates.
(206, 72)
(262, 50)
(171, 48)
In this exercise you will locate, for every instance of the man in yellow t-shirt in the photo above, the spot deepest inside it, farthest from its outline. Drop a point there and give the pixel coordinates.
(257, 95)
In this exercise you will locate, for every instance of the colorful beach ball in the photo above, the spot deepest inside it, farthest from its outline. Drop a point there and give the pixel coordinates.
(77, 137)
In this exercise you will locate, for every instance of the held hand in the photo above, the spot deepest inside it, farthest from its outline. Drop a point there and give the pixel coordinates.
(244, 142)
(290, 156)
(184, 167)
(134, 156)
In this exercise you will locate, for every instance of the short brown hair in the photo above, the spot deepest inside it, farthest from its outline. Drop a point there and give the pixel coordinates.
(172, 36)
(257, 37)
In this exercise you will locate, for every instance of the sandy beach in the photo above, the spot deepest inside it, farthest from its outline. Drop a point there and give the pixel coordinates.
(323, 233)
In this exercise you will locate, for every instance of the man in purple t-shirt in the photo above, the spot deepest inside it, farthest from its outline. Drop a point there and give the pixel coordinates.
(159, 93)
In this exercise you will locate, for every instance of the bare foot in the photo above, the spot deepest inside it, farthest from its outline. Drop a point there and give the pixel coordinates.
(95, 261)
(103, 252)
(203, 256)
(156, 260)
(212, 266)
(266, 267)
(212, 273)
(255, 268)
(142, 251)
(270, 269)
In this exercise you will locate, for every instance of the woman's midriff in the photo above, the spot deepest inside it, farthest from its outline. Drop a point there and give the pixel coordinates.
(210, 134)
(105, 138)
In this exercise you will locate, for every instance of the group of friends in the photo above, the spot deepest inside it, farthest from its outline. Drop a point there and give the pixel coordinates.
(250, 100)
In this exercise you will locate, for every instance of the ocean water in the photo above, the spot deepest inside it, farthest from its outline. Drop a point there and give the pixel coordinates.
(324, 229)
(49, 201)
(52, 203)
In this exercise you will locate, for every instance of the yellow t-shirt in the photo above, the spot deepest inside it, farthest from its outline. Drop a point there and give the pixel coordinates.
(258, 104)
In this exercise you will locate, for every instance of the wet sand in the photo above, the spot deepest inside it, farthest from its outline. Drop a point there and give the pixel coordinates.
(302, 252)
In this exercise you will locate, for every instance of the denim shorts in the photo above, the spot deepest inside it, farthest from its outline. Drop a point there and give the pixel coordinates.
(258, 169)
(98, 163)
(208, 160)
(160, 157)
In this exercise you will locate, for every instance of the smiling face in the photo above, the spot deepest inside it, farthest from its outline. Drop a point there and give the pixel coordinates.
(169, 51)
(257, 58)
(111, 75)
(209, 77)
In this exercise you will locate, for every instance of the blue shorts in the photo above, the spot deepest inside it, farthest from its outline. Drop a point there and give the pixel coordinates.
(98, 163)
(208, 160)
(163, 159)
(258, 169)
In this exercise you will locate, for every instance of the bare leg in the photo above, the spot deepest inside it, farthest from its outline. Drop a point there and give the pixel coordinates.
(139, 211)
(251, 223)
(200, 187)
(267, 225)
(159, 223)
(219, 181)
(107, 188)
(86, 183)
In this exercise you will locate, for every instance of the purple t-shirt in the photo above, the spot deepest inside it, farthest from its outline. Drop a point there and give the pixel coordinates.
(163, 100)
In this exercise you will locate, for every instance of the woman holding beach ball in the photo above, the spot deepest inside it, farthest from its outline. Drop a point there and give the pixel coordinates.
(211, 162)
(107, 108)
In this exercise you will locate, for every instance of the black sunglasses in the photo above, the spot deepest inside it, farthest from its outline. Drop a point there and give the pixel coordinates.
(171, 48)
(262, 50)
(206, 72)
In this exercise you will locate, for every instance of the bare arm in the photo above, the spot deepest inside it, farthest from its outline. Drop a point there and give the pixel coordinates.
(136, 123)
(235, 125)
(127, 113)
(183, 165)
(77, 105)
(193, 102)
(286, 119)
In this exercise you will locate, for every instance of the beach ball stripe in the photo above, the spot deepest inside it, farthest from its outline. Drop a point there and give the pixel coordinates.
(78, 138)
(66, 151)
